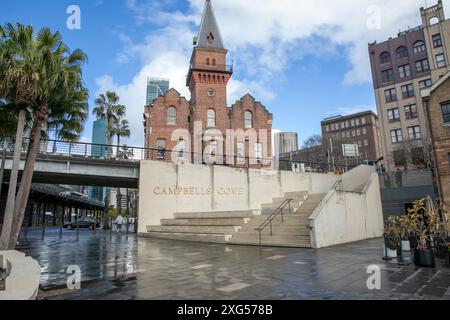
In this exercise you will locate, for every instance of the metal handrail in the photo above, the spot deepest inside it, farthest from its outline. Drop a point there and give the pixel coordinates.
(337, 184)
(268, 221)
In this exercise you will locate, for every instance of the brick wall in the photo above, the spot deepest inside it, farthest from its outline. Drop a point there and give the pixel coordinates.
(441, 138)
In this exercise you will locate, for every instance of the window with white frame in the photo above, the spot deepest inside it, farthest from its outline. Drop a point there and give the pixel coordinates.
(248, 120)
(211, 118)
(258, 151)
(414, 133)
(404, 71)
(396, 135)
(440, 60)
(394, 115)
(172, 116)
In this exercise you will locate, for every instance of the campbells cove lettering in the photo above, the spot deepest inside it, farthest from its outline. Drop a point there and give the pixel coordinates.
(197, 191)
(177, 191)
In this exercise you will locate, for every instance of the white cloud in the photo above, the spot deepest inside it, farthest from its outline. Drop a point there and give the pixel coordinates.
(263, 36)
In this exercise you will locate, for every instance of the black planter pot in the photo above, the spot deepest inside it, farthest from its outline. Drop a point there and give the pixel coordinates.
(424, 258)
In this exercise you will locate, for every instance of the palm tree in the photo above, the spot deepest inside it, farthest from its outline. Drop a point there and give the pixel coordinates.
(121, 129)
(67, 114)
(19, 56)
(108, 107)
(58, 74)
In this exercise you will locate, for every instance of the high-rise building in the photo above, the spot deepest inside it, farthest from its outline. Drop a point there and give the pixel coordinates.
(207, 79)
(285, 142)
(99, 149)
(401, 68)
(156, 88)
(360, 130)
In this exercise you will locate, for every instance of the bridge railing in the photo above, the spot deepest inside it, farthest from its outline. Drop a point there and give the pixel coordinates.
(82, 149)
(128, 153)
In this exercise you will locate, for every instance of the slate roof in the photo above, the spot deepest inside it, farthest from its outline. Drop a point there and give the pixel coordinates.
(209, 36)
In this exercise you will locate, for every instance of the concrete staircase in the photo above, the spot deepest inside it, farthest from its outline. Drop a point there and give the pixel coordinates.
(292, 231)
(238, 227)
(216, 227)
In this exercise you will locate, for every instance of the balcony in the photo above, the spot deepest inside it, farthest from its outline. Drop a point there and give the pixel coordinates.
(209, 67)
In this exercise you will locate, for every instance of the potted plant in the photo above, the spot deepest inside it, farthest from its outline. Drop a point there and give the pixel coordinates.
(425, 221)
(406, 229)
(392, 237)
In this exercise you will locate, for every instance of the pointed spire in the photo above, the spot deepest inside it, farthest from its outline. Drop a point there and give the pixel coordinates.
(209, 35)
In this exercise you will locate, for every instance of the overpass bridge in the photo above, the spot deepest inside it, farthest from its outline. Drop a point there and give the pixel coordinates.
(80, 163)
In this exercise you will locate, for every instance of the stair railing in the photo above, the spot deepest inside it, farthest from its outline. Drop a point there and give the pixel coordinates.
(276, 213)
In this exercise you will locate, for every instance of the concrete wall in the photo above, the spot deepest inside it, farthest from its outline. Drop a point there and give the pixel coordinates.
(167, 188)
(346, 216)
(356, 178)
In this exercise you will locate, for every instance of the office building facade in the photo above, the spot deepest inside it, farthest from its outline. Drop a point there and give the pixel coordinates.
(361, 130)
(401, 68)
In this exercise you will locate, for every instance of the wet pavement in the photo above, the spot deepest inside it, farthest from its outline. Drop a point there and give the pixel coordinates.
(122, 267)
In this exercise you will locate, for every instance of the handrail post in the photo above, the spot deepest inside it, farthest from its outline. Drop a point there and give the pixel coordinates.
(282, 219)
(260, 240)
(271, 232)
(290, 212)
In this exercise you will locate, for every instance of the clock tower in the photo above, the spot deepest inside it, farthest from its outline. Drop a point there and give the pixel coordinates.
(208, 72)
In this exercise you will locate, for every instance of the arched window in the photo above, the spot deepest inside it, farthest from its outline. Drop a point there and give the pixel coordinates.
(214, 62)
(385, 57)
(419, 46)
(211, 118)
(207, 61)
(248, 117)
(402, 52)
(172, 116)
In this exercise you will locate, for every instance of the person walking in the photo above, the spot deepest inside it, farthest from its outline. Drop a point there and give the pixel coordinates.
(399, 178)
(119, 222)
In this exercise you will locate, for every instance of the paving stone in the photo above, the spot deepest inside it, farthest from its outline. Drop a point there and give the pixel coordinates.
(123, 267)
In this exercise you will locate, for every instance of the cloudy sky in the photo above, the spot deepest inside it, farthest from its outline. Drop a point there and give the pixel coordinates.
(304, 60)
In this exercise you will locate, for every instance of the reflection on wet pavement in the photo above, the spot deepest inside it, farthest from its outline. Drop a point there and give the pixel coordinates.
(120, 266)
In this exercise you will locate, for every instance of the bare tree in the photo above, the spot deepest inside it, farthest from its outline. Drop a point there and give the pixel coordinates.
(313, 141)
(413, 154)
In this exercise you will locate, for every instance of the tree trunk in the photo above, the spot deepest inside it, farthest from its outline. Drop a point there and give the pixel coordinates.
(8, 217)
(2, 170)
(118, 143)
(25, 185)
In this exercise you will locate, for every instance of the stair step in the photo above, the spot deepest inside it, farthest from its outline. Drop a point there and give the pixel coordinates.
(209, 238)
(277, 232)
(215, 214)
(194, 229)
(296, 195)
(288, 238)
(205, 222)
(272, 244)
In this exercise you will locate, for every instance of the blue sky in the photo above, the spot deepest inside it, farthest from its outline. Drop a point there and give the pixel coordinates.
(304, 60)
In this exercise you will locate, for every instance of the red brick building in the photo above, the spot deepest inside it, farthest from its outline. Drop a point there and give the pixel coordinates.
(201, 125)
